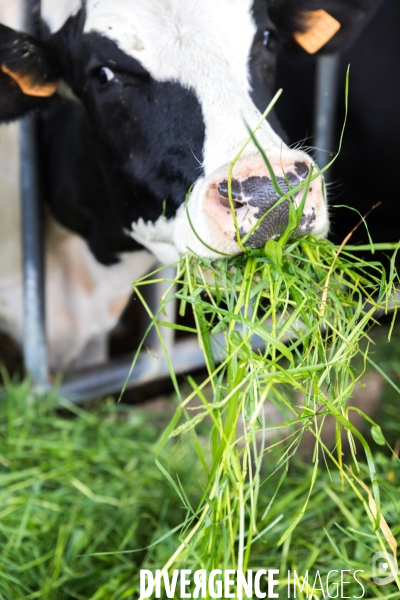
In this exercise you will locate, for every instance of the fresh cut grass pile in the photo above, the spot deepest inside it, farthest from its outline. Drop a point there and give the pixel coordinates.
(83, 506)
(75, 483)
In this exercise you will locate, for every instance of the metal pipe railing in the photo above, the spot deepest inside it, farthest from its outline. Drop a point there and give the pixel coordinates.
(34, 339)
(325, 108)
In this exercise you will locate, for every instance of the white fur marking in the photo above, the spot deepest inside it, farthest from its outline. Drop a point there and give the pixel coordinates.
(157, 238)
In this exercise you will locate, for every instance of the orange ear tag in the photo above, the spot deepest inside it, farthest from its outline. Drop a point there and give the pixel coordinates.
(43, 89)
(320, 28)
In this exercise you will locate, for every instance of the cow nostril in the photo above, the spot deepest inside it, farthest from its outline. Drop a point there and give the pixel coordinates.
(302, 169)
(236, 193)
(235, 189)
(225, 202)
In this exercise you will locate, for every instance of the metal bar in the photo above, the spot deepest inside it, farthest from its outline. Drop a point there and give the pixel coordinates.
(108, 379)
(34, 343)
(30, 16)
(185, 356)
(325, 108)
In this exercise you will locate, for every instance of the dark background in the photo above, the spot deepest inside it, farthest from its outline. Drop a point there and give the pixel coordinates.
(368, 168)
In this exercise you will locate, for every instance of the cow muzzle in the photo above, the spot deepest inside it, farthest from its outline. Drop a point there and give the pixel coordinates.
(261, 205)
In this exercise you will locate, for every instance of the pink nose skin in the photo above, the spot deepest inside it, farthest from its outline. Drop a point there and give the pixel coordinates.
(253, 194)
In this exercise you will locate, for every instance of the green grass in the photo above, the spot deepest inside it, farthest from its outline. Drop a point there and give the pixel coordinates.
(312, 305)
(75, 483)
(78, 483)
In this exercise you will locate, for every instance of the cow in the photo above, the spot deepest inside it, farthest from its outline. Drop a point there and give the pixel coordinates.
(138, 102)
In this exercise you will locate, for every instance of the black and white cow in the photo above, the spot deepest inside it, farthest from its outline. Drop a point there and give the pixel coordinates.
(138, 101)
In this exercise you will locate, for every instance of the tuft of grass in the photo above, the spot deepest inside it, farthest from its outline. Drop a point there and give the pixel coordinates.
(282, 325)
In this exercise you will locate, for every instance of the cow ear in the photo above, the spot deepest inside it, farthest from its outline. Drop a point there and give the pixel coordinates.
(324, 26)
(29, 73)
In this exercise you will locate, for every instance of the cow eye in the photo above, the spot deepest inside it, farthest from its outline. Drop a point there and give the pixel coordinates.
(104, 75)
(267, 37)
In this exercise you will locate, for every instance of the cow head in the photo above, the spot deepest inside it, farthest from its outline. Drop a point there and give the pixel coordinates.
(170, 88)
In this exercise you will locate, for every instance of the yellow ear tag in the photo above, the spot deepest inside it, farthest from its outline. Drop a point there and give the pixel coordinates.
(43, 89)
(320, 27)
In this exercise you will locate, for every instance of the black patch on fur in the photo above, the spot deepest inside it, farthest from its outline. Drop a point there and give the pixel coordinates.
(130, 151)
(263, 62)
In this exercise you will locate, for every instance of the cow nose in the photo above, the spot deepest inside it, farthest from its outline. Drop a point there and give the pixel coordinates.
(260, 191)
(256, 194)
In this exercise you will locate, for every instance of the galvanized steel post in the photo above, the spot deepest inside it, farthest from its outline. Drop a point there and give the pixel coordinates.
(325, 108)
(34, 343)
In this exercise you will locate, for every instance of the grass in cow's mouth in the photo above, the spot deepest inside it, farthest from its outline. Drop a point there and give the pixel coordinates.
(281, 325)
